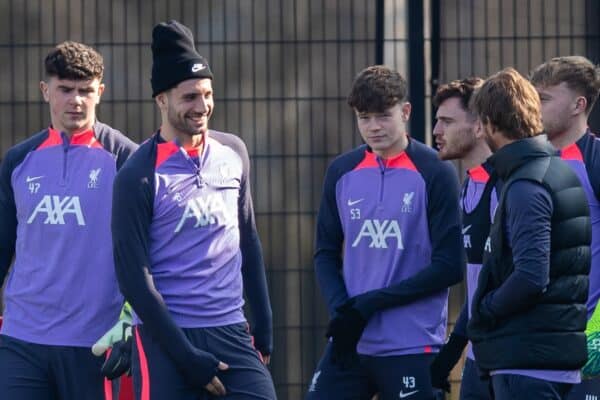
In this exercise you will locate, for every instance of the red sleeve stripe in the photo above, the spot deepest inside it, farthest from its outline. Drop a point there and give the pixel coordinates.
(143, 367)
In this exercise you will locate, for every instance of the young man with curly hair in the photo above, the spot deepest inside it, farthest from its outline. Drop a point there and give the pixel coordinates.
(458, 139)
(55, 205)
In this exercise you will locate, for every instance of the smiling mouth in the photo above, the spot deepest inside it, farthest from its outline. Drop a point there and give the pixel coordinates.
(198, 120)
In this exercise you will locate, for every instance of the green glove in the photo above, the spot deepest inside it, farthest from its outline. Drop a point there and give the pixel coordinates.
(592, 368)
(121, 331)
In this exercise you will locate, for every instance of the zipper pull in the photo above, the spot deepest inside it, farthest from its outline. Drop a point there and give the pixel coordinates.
(199, 180)
(66, 141)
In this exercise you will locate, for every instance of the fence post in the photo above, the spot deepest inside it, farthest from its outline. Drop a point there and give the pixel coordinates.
(416, 68)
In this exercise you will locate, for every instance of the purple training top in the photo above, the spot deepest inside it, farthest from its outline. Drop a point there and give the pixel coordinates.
(55, 205)
(392, 220)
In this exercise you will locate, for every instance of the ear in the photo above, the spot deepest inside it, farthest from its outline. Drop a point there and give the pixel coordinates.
(161, 100)
(101, 88)
(580, 105)
(478, 129)
(406, 109)
(44, 90)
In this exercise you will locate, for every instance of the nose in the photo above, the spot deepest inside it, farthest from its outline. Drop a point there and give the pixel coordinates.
(77, 99)
(437, 129)
(373, 124)
(201, 106)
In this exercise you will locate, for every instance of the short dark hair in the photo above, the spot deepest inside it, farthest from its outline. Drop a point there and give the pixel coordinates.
(74, 61)
(377, 88)
(461, 88)
(510, 103)
(579, 73)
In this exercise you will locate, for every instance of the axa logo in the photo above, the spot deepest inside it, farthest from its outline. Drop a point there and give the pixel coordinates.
(407, 202)
(466, 237)
(56, 210)
(203, 211)
(488, 245)
(378, 232)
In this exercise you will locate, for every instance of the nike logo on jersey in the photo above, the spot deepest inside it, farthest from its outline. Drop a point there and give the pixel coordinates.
(56, 208)
(33, 178)
(403, 395)
(466, 229)
(354, 202)
(379, 231)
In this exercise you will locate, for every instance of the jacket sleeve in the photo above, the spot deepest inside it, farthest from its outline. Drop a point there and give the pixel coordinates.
(329, 241)
(447, 258)
(8, 216)
(528, 225)
(253, 266)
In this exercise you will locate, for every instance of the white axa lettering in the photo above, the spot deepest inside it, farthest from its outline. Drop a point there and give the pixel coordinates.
(203, 210)
(56, 207)
(379, 231)
(488, 245)
(467, 241)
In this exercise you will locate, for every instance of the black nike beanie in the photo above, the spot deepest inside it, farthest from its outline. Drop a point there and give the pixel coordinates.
(174, 57)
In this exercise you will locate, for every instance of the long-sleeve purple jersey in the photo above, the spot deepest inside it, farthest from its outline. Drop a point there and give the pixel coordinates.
(55, 201)
(185, 240)
(397, 224)
(584, 157)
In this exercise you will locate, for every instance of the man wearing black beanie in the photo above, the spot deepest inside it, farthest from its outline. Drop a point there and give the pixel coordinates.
(185, 243)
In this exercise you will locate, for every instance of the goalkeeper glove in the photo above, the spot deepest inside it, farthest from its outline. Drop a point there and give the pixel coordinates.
(119, 339)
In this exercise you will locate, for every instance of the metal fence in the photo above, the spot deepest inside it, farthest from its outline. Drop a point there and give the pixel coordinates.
(282, 71)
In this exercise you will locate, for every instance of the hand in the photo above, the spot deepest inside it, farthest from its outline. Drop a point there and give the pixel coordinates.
(119, 360)
(445, 360)
(118, 338)
(345, 331)
(263, 343)
(215, 386)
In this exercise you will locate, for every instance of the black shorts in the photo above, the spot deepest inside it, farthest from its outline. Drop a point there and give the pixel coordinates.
(472, 387)
(394, 377)
(521, 387)
(155, 377)
(30, 371)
